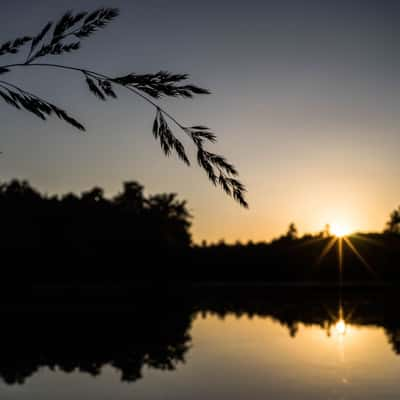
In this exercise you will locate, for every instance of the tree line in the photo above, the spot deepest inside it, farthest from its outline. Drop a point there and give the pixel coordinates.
(90, 228)
(131, 235)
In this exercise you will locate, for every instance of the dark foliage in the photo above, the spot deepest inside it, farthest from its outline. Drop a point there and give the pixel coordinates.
(22, 99)
(160, 84)
(13, 46)
(65, 36)
(303, 259)
(87, 229)
(393, 225)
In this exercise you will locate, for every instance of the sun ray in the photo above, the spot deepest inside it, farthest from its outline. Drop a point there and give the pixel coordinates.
(349, 315)
(340, 259)
(359, 256)
(331, 313)
(326, 250)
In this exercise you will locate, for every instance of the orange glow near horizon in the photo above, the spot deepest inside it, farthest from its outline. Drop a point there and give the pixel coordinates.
(257, 224)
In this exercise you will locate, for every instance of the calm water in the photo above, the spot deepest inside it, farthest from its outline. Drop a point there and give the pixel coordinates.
(329, 352)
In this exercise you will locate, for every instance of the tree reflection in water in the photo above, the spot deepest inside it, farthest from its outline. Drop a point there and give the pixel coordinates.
(155, 332)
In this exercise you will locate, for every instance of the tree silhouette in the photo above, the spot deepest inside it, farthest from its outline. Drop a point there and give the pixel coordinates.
(292, 232)
(327, 231)
(393, 225)
(175, 218)
(92, 223)
(132, 198)
(65, 36)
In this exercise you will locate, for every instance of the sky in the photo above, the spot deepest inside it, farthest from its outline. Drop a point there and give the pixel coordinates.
(305, 100)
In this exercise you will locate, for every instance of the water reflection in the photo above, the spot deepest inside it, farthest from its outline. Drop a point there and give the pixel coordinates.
(340, 327)
(157, 333)
(127, 341)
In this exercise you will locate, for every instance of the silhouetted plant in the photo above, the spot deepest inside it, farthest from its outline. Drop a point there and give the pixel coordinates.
(292, 232)
(327, 231)
(65, 36)
(393, 225)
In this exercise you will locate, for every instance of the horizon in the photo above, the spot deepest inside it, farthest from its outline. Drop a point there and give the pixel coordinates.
(304, 103)
(336, 229)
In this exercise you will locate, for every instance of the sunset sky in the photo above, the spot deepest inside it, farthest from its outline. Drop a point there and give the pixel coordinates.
(305, 103)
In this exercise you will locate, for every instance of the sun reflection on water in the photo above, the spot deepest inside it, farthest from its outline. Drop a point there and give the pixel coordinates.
(340, 328)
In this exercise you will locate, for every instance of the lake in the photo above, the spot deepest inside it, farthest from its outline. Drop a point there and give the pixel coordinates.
(297, 344)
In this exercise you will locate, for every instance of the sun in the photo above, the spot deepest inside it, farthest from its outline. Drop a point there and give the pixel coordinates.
(339, 229)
